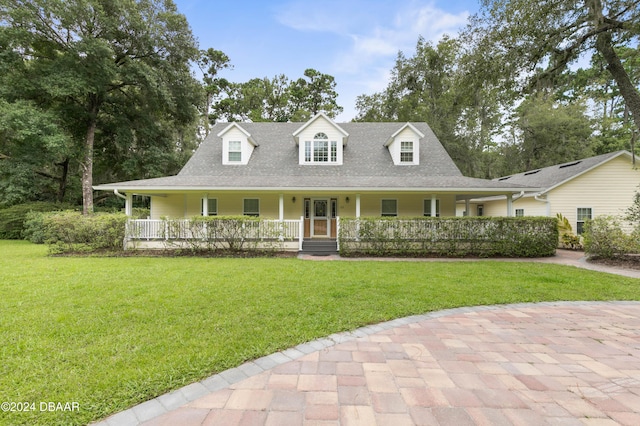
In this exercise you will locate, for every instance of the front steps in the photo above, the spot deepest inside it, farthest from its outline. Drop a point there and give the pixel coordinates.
(316, 247)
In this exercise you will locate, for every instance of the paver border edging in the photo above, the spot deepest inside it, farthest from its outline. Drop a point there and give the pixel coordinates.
(179, 397)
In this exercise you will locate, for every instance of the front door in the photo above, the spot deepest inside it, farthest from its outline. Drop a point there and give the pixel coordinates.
(320, 218)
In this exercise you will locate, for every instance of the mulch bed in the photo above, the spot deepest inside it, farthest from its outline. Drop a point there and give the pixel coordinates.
(627, 262)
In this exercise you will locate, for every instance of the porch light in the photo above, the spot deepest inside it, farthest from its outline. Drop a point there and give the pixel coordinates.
(346, 199)
(293, 199)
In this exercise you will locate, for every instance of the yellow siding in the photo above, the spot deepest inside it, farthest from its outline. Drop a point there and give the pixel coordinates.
(408, 204)
(608, 190)
(530, 206)
(170, 206)
(187, 205)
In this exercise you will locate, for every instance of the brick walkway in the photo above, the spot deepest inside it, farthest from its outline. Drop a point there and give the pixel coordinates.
(569, 363)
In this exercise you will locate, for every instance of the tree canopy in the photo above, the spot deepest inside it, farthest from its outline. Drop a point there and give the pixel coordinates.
(114, 76)
(277, 98)
(507, 93)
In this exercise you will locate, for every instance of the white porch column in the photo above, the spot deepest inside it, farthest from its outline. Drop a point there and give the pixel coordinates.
(434, 213)
(128, 204)
(467, 207)
(357, 205)
(281, 208)
(205, 205)
(509, 205)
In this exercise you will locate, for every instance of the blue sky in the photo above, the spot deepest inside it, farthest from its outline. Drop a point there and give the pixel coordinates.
(356, 41)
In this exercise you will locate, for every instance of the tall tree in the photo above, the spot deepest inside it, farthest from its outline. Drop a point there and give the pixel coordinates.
(211, 62)
(34, 154)
(536, 41)
(614, 128)
(95, 62)
(441, 85)
(278, 99)
(551, 132)
(315, 94)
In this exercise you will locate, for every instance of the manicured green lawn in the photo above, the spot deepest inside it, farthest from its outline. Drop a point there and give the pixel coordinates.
(112, 332)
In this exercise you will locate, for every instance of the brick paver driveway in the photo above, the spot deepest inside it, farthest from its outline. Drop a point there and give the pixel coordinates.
(531, 364)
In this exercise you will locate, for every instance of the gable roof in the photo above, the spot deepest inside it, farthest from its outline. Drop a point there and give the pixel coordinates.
(274, 165)
(243, 131)
(319, 115)
(551, 177)
(397, 132)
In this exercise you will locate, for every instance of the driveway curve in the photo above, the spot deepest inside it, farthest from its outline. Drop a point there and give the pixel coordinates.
(575, 363)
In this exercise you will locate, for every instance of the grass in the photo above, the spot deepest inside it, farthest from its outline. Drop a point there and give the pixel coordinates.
(112, 332)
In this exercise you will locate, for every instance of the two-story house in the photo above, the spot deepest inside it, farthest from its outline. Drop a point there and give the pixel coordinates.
(315, 172)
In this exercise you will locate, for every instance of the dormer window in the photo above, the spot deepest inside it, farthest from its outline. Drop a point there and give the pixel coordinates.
(320, 150)
(404, 145)
(237, 145)
(406, 151)
(235, 151)
(320, 141)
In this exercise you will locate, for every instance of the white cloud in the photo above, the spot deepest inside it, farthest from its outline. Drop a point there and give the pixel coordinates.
(373, 33)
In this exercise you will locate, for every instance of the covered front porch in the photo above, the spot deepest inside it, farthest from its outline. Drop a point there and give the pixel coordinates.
(290, 217)
(318, 208)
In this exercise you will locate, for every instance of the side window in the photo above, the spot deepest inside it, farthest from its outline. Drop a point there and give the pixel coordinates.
(389, 207)
(584, 214)
(251, 207)
(427, 208)
(212, 206)
(519, 212)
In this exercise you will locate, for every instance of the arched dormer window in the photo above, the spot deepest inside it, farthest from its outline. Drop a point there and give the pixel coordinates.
(320, 149)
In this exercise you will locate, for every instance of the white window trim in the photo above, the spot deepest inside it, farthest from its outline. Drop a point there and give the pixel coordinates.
(412, 151)
(382, 213)
(519, 210)
(233, 151)
(578, 221)
(310, 147)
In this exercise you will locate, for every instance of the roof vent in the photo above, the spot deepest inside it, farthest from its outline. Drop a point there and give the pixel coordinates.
(570, 164)
(533, 172)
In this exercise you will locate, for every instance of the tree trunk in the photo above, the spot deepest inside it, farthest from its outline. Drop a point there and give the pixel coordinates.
(87, 163)
(604, 44)
(62, 187)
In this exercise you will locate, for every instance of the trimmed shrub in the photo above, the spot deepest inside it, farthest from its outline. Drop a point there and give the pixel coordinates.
(12, 218)
(452, 236)
(213, 233)
(72, 232)
(605, 238)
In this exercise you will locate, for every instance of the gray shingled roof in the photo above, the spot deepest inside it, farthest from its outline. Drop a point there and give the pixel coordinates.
(367, 164)
(552, 176)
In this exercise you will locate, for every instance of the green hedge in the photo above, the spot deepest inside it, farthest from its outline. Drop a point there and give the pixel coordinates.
(604, 237)
(451, 236)
(72, 232)
(220, 233)
(12, 218)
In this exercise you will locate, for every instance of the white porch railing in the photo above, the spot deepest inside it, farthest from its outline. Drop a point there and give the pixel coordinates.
(182, 229)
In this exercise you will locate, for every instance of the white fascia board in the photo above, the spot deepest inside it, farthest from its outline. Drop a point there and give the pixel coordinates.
(164, 189)
(503, 197)
(345, 135)
(410, 126)
(239, 127)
